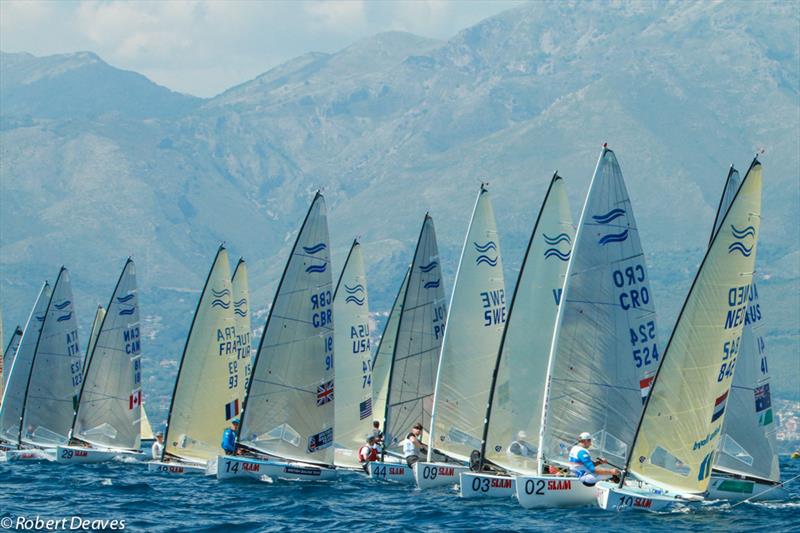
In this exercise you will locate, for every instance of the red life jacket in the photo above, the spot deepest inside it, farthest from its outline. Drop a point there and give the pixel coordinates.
(367, 453)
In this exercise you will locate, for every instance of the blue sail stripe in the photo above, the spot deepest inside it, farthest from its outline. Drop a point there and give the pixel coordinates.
(64, 318)
(355, 300)
(130, 311)
(481, 259)
(552, 241)
(314, 249)
(742, 233)
(352, 290)
(240, 313)
(220, 294)
(220, 303)
(614, 237)
(432, 284)
(430, 266)
(741, 248)
(62, 305)
(555, 252)
(608, 217)
(317, 268)
(483, 248)
(123, 299)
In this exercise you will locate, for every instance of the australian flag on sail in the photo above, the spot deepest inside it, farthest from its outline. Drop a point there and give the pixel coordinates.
(365, 409)
(719, 407)
(231, 409)
(763, 398)
(325, 393)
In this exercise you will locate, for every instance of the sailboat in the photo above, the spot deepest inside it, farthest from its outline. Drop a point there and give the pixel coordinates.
(509, 445)
(145, 429)
(9, 354)
(746, 464)
(287, 428)
(474, 327)
(680, 428)
(604, 347)
(410, 345)
(205, 398)
(106, 422)
(351, 344)
(99, 315)
(19, 373)
(53, 384)
(241, 314)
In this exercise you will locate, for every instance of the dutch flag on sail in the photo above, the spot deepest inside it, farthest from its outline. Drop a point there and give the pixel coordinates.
(135, 399)
(644, 385)
(231, 409)
(719, 407)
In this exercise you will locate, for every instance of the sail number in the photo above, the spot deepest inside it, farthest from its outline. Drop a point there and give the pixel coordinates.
(641, 337)
(494, 307)
(322, 314)
(76, 368)
(438, 321)
(632, 297)
(729, 350)
(328, 341)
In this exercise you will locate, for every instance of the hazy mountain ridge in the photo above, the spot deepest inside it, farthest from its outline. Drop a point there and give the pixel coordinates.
(101, 163)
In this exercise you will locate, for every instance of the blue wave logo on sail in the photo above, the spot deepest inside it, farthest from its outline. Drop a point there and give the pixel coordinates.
(483, 249)
(485, 259)
(613, 237)
(220, 294)
(64, 318)
(608, 217)
(240, 307)
(218, 300)
(62, 305)
(317, 268)
(561, 237)
(315, 249)
(354, 300)
(558, 254)
(40, 318)
(355, 289)
(127, 311)
(739, 245)
(125, 299)
(432, 284)
(430, 266)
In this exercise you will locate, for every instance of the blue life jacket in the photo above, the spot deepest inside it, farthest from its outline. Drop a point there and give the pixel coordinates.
(229, 440)
(580, 462)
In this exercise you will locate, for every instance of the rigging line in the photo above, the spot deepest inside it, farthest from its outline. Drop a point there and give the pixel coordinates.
(781, 484)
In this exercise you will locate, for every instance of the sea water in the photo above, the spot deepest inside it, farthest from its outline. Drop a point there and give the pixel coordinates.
(126, 492)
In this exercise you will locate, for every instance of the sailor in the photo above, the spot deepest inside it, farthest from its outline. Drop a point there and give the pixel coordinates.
(412, 445)
(229, 437)
(158, 446)
(520, 446)
(582, 466)
(368, 453)
(376, 430)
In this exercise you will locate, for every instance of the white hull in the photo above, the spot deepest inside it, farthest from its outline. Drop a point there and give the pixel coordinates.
(429, 475)
(722, 487)
(612, 498)
(236, 467)
(78, 454)
(474, 485)
(31, 454)
(175, 467)
(397, 472)
(553, 491)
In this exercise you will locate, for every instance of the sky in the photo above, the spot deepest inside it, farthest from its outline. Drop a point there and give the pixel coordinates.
(203, 47)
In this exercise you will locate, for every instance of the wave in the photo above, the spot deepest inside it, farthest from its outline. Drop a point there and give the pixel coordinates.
(430, 266)
(220, 303)
(355, 300)
(432, 284)
(608, 217)
(552, 241)
(314, 249)
(317, 268)
(555, 252)
(123, 299)
(40, 318)
(483, 248)
(220, 294)
(741, 248)
(240, 312)
(64, 318)
(485, 259)
(352, 290)
(742, 233)
(62, 305)
(613, 237)
(127, 311)
(240, 303)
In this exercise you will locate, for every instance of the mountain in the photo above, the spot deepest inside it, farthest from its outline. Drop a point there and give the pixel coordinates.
(98, 163)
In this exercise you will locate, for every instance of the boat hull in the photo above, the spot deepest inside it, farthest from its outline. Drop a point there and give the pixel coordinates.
(610, 497)
(31, 454)
(396, 472)
(722, 487)
(474, 485)
(78, 454)
(175, 468)
(430, 475)
(553, 491)
(237, 467)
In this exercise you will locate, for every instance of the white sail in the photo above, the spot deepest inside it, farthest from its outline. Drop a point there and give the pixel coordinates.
(244, 332)
(289, 410)
(412, 377)
(205, 397)
(98, 319)
(469, 349)
(351, 344)
(748, 444)
(515, 410)
(145, 429)
(682, 421)
(10, 353)
(19, 372)
(56, 374)
(605, 346)
(109, 406)
(382, 362)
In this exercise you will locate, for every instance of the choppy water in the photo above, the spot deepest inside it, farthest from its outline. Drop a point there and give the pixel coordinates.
(152, 502)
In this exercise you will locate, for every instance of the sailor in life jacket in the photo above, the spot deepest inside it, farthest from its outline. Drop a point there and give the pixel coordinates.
(368, 453)
(521, 446)
(229, 437)
(157, 450)
(582, 466)
(412, 445)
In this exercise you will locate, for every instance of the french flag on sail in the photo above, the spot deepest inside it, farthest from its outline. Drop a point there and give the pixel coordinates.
(231, 409)
(719, 407)
(645, 385)
(135, 399)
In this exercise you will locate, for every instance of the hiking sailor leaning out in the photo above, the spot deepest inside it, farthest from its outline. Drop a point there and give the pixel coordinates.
(412, 445)
(582, 466)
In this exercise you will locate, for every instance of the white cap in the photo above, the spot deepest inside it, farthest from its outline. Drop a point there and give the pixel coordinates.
(585, 436)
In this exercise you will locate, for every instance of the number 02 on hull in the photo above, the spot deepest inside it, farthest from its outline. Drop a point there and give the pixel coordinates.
(553, 491)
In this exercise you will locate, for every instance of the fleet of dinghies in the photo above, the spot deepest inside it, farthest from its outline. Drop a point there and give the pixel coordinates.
(501, 387)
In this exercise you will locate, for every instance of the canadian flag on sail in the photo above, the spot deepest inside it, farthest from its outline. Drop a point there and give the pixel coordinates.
(135, 399)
